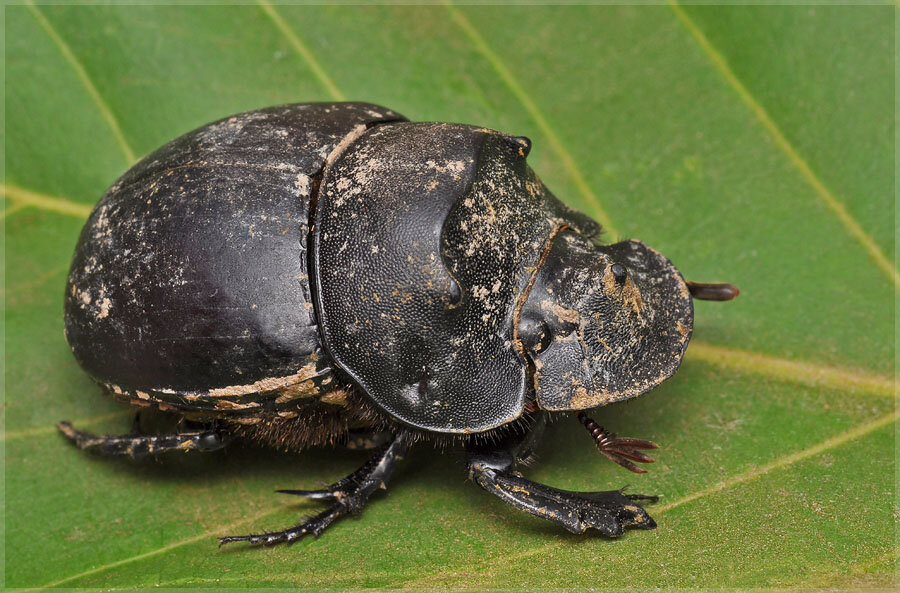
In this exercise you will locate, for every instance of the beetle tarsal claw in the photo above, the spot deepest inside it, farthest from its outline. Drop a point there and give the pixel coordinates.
(313, 494)
(314, 525)
(347, 497)
(618, 450)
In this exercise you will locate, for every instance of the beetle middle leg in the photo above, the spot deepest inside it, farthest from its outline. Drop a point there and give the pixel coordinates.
(138, 445)
(491, 466)
(347, 496)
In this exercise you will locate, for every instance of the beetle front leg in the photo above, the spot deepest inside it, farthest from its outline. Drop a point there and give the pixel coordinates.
(491, 466)
(140, 445)
(347, 496)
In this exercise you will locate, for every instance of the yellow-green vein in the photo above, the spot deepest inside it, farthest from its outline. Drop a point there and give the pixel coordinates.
(151, 553)
(302, 50)
(44, 202)
(845, 576)
(787, 460)
(51, 429)
(36, 281)
(828, 198)
(801, 372)
(531, 107)
(805, 373)
(15, 207)
(85, 80)
(843, 438)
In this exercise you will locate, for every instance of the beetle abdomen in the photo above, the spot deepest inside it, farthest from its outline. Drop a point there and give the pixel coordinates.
(190, 281)
(313, 388)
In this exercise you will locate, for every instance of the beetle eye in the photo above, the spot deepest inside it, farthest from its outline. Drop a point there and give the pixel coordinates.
(535, 335)
(619, 273)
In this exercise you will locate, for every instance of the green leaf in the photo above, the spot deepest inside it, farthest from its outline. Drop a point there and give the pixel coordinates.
(750, 144)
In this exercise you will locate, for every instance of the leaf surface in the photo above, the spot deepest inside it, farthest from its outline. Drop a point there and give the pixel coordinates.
(752, 145)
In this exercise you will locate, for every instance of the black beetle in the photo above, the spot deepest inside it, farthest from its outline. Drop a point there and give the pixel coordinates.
(301, 274)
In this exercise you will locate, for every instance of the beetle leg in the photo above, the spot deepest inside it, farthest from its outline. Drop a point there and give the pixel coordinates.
(138, 445)
(348, 496)
(618, 450)
(334, 491)
(610, 512)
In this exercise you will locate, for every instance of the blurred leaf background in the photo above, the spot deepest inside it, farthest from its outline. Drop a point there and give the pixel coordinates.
(753, 145)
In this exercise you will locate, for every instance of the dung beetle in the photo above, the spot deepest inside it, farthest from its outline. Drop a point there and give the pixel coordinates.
(330, 273)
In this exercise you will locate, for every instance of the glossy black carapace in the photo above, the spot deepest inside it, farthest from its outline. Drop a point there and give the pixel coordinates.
(306, 274)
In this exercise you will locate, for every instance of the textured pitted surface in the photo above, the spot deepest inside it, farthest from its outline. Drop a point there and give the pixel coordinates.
(426, 236)
(190, 278)
(610, 338)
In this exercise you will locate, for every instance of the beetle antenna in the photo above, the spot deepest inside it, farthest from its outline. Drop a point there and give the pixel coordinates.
(618, 450)
(706, 291)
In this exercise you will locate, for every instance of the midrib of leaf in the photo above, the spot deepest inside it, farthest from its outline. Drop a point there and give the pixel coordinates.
(85, 80)
(843, 438)
(827, 196)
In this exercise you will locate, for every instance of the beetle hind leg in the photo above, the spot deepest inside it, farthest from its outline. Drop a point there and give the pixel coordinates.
(610, 512)
(347, 496)
(491, 466)
(140, 445)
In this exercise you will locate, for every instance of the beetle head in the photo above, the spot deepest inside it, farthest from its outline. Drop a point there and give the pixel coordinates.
(603, 323)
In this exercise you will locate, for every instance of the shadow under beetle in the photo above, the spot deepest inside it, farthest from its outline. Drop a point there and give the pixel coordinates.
(300, 274)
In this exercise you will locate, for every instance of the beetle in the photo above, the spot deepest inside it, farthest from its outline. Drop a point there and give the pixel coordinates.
(304, 274)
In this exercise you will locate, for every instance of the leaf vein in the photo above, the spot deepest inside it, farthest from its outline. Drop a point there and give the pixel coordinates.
(302, 50)
(44, 202)
(827, 580)
(805, 373)
(12, 209)
(51, 429)
(828, 198)
(843, 438)
(85, 80)
(568, 162)
(155, 552)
